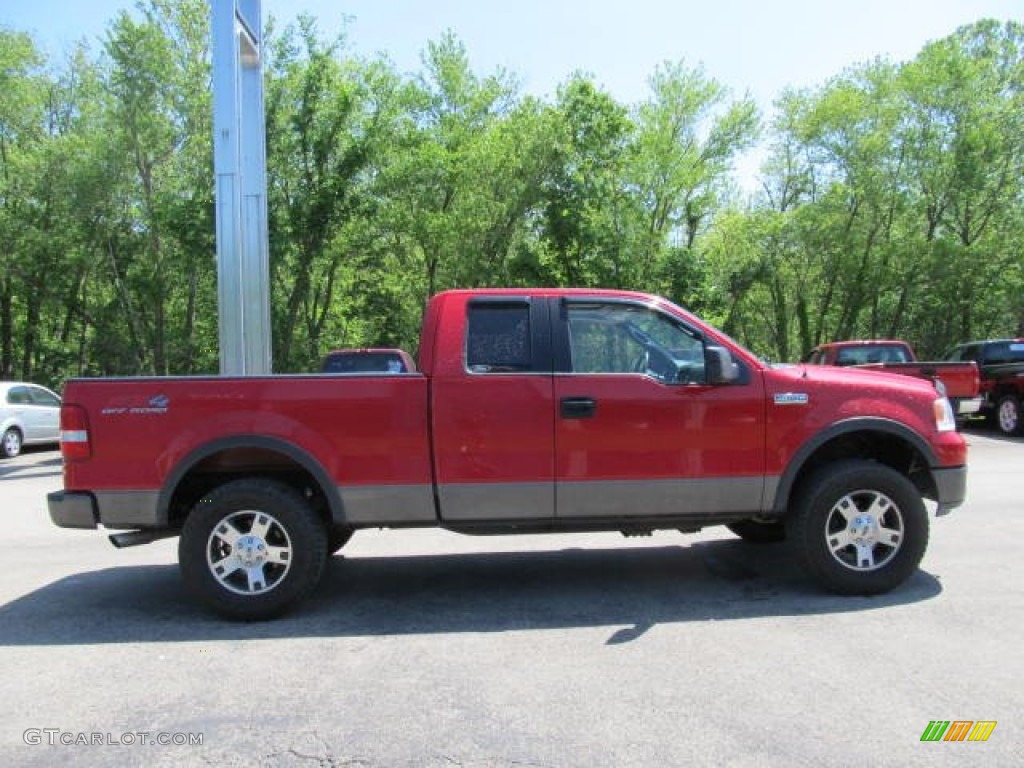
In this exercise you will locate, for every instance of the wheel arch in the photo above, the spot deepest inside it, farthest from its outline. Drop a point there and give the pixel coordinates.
(228, 458)
(885, 441)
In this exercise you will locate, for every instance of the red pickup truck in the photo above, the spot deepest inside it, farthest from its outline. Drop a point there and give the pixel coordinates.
(532, 411)
(959, 381)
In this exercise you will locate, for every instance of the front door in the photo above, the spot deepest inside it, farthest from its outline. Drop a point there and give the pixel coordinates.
(638, 428)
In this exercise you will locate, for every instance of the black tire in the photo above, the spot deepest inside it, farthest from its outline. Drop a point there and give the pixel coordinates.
(1008, 415)
(272, 541)
(759, 533)
(337, 537)
(11, 443)
(859, 528)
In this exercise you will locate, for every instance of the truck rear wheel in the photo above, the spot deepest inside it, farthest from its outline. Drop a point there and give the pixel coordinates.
(252, 548)
(1008, 417)
(859, 528)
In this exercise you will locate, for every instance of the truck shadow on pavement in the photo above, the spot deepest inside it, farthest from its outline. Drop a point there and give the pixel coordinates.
(52, 467)
(627, 590)
(982, 429)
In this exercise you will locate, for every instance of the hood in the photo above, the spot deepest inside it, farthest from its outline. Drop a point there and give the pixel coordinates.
(840, 393)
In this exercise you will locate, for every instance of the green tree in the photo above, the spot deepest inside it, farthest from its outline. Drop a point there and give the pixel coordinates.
(159, 127)
(591, 218)
(687, 137)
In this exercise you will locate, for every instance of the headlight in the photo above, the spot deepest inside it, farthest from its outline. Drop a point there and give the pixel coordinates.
(944, 420)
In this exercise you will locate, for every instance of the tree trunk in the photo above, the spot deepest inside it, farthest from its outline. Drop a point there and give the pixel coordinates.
(6, 331)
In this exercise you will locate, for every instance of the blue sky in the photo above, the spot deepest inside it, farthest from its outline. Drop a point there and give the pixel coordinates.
(755, 46)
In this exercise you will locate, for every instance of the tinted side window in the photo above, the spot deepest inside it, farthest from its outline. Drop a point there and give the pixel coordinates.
(999, 353)
(600, 347)
(364, 363)
(42, 397)
(18, 396)
(498, 338)
(621, 338)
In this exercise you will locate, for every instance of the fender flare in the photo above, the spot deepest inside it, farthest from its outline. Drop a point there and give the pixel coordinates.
(859, 424)
(277, 445)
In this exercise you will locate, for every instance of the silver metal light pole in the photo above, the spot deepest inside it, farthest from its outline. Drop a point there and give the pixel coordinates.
(240, 170)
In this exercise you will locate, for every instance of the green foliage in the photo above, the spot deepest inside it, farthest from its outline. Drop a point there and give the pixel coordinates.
(890, 203)
(897, 187)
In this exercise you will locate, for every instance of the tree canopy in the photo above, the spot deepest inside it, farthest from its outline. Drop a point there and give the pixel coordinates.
(890, 202)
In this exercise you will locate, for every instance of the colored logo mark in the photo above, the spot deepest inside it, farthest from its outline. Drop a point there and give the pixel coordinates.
(958, 730)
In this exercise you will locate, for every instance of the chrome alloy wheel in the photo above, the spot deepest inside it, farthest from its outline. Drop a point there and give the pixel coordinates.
(1008, 415)
(11, 443)
(249, 552)
(864, 530)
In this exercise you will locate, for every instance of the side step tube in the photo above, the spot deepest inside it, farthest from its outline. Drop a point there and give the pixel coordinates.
(135, 538)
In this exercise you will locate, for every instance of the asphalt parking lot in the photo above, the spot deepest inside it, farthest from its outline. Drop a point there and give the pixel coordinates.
(423, 648)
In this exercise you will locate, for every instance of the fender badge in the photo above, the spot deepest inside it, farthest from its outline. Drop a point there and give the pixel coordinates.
(791, 398)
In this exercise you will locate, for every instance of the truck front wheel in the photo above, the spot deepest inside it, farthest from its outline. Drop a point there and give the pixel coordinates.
(252, 548)
(859, 528)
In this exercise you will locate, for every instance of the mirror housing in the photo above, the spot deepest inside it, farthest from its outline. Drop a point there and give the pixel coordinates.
(720, 366)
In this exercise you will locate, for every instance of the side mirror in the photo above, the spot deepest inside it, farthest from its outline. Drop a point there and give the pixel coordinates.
(720, 367)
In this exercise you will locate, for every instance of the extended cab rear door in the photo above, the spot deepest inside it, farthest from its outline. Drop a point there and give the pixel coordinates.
(639, 430)
(492, 414)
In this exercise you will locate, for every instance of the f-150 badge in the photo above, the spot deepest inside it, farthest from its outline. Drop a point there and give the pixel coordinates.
(791, 398)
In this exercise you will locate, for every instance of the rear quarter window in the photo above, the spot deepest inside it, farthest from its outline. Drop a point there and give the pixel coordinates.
(498, 338)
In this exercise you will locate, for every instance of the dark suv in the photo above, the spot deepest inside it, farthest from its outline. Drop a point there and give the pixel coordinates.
(1001, 364)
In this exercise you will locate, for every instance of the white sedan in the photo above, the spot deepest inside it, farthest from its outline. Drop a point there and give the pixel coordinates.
(29, 415)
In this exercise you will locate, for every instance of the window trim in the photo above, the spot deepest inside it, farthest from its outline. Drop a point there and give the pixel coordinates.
(33, 389)
(563, 343)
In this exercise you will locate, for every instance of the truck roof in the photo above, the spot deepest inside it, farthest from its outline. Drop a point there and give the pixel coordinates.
(438, 303)
(864, 343)
(596, 292)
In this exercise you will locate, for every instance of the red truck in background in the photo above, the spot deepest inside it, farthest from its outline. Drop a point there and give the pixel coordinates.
(1002, 379)
(959, 381)
(532, 411)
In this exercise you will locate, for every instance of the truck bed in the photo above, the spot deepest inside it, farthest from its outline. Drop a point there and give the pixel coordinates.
(368, 433)
(959, 379)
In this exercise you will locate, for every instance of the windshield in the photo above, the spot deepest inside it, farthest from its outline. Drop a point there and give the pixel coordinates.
(1004, 352)
(873, 353)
